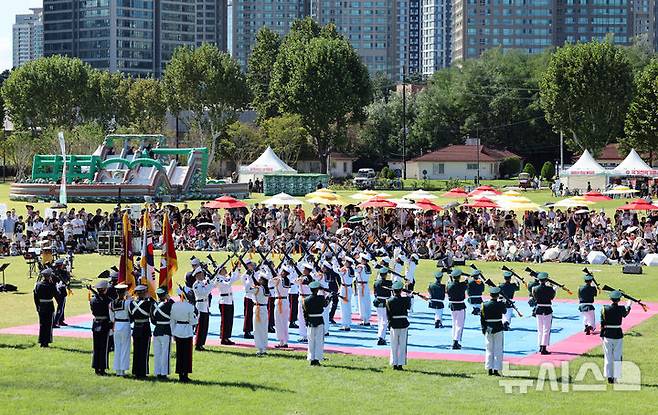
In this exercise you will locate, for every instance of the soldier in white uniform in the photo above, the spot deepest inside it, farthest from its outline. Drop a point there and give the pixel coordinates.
(304, 291)
(119, 315)
(363, 272)
(183, 317)
(202, 289)
(160, 317)
(226, 307)
(248, 310)
(279, 287)
(345, 291)
(261, 293)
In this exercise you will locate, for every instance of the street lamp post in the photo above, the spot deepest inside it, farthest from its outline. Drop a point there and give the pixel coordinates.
(404, 125)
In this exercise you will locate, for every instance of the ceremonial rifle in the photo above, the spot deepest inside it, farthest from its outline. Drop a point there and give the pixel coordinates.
(214, 264)
(424, 297)
(517, 276)
(588, 272)
(490, 283)
(635, 300)
(557, 284)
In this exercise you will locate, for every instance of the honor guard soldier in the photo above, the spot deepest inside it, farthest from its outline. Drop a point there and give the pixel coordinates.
(44, 297)
(62, 281)
(612, 335)
(183, 318)
(293, 297)
(140, 314)
(382, 290)
(279, 287)
(248, 311)
(507, 289)
(120, 317)
(258, 288)
(100, 328)
(346, 282)
(161, 319)
(491, 320)
(543, 295)
(303, 282)
(437, 292)
(332, 279)
(586, 294)
(531, 300)
(201, 289)
(362, 288)
(313, 308)
(456, 291)
(226, 306)
(474, 291)
(397, 309)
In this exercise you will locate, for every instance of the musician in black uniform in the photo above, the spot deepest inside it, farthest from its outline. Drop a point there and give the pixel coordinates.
(313, 308)
(397, 310)
(44, 295)
(456, 295)
(491, 320)
(543, 295)
(586, 294)
(507, 289)
(382, 290)
(140, 314)
(100, 328)
(437, 292)
(612, 335)
(62, 281)
(333, 280)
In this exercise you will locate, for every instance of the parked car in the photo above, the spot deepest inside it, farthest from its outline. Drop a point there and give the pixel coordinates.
(525, 181)
(365, 179)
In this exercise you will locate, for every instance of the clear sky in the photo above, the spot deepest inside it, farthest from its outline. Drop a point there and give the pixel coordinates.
(8, 10)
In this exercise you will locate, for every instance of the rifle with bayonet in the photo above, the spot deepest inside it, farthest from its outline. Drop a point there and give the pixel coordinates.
(423, 296)
(517, 276)
(628, 297)
(490, 283)
(589, 273)
(214, 263)
(553, 282)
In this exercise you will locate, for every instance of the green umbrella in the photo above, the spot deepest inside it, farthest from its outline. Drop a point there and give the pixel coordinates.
(356, 219)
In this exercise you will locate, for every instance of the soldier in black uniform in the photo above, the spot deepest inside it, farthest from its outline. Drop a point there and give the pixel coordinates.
(437, 292)
(140, 314)
(382, 290)
(474, 291)
(586, 294)
(160, 317)
(456, 295)
(100, 328)
(313, 308)
(491, 320)
(543, 295)
(44, 295)
(612, 335)
(397, 311)
(507, 289)
(333, 280)
(62, 281)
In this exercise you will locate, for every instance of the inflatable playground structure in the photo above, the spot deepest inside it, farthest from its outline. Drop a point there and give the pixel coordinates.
(126, 168)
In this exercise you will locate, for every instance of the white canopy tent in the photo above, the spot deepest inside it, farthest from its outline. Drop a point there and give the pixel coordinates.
(267, 163)
(633, 165)
(585, 170)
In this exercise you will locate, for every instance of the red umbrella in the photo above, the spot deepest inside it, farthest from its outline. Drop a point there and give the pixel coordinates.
(457, 192)
(638, 204)
(225, 202)
(483, 203)
(483, 189)
(378, 202)
(427, 204)
(596, 197)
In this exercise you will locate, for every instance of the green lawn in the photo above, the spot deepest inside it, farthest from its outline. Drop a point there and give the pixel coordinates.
(233, 380)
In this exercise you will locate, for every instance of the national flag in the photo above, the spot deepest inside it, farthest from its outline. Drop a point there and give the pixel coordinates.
(169, 262)
(147, 261)
(126, 262)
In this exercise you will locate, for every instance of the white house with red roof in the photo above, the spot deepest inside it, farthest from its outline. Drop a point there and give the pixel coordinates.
(459, 162)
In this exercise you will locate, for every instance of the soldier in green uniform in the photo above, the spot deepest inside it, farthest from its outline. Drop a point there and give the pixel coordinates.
(397, 309)
(313, 308)
(437, 292)
(612, 335)
(456, 295)
(531, 301)
(586, 294)
(543, 295)
(474, 291)
(382, 289)
(508, 288)
(491, 320)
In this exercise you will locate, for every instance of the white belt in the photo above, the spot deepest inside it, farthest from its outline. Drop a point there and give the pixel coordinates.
(142, 321)
(400, 317)
(493, 320)
(457, 302)
(611, 327)
(436, 301)
(316, 315)
(46, 301)
(474, 296)
(543, 305)
(162, 323)
(586, 303)
(383, 298)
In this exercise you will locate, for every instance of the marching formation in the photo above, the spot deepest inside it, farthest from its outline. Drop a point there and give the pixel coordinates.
(332, 274)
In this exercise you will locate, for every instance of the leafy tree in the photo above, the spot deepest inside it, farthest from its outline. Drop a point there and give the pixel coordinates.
(108, 102)
(530, 169)
(259, 73)
(642, 118)
(20, 148)
(82, 139)
(147, 105)
(47, 91)
(510, 166)
(586, 91)
(211, 85)
(382, 87)
(547, 170)
(3, 77)
(319, 76)
(242, 142)
(287, 136)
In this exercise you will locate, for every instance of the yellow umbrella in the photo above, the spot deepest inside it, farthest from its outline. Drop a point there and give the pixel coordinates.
(511, 193)
(519, 206)
(620, 190)
(364, 195)
(321, 193)
(327, 199)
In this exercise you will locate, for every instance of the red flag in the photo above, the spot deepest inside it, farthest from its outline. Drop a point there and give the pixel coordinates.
(169, 262)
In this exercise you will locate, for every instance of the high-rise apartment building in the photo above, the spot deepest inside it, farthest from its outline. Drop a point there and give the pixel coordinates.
(436, 34)
(28, 37)
(212, 23)
(248, 16)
